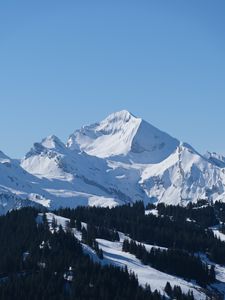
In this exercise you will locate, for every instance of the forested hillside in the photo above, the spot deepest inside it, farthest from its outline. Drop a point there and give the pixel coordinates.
(34, 264)
(41, 259)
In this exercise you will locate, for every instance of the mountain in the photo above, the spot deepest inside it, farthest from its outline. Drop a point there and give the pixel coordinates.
(69, 178)
(183, 177)
(118, 160)
(170, 171)
(16, 185)
(123, 135)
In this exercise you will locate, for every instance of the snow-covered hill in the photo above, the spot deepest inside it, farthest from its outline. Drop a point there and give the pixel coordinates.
(121, 159)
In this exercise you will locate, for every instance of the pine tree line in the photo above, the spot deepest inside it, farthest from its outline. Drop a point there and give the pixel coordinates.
(172, 261)
(34, 260)
(176, 293)
(163, 231)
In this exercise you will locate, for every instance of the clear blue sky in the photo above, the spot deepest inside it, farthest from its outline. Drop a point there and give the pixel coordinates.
(67, 63)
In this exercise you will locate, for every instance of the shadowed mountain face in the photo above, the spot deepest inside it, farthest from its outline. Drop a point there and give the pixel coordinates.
(216, 159)
(121, 159)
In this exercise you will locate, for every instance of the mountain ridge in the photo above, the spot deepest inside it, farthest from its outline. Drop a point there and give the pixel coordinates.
(118, 160)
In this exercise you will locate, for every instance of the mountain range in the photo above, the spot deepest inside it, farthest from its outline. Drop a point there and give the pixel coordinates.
(119, 160)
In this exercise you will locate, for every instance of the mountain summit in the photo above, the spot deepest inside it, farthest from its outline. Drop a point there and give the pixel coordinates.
(122, 135)
(119, 160)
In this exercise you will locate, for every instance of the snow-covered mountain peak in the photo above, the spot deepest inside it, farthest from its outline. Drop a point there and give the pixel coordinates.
(120, 121)
(52, 142)
(111, 137)
(49, 144)
(123, 136)
(121, 116)
(45, 158)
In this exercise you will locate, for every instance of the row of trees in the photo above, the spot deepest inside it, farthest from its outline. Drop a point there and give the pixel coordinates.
(220, 211)
(89, 239)
(165, 231)
(101, 232)
(204, 215)
(172, 261)
(91, 232)
(176, 293)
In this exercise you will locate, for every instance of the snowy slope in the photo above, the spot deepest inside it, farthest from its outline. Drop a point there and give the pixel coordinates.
(184, 176)
(113, 254)
(121, 159)
(49, 176)
(44, 157)
(15, 185)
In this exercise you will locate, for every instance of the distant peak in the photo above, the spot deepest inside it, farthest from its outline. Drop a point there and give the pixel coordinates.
(121, 115)
(122, 134)
(52, 142)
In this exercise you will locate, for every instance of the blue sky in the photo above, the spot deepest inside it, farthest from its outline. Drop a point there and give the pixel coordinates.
(64, 64)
